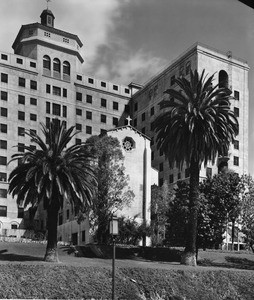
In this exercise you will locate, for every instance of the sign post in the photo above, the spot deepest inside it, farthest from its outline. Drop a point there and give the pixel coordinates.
(113, 230)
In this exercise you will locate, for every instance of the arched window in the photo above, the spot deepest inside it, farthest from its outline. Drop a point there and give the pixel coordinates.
(46, 62)
(223, 79)
(56, 65)
(56, 68)
(66, 68)
(46, 65)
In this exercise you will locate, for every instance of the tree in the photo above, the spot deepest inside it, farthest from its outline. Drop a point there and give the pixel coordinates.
(53, 173)
(160, 199)
(113, 192)
(223, 195)
(196, 124)
(247, 209)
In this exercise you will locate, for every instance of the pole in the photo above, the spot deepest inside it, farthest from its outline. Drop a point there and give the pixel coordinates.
(113, 269)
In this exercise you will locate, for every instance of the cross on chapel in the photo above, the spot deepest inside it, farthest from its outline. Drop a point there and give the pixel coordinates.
(129, 119)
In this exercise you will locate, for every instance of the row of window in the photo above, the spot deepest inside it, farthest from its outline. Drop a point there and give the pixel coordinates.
(21, 82)
(89, 99)
(18, 60)
(21, 98)
(3, 213)
(103, 84)
(57, 66)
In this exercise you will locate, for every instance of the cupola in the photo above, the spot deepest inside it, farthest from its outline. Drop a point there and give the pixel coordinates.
(47, 18)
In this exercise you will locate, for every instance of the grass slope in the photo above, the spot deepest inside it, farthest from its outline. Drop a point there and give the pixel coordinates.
(23, 275)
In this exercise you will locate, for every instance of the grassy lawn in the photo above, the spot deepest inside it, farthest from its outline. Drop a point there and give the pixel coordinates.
(220, 275)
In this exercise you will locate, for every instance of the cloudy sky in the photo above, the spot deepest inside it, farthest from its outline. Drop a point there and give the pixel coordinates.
(131, 40)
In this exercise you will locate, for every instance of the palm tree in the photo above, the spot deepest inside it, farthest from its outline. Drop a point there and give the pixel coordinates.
(196, 125)
(53, 174)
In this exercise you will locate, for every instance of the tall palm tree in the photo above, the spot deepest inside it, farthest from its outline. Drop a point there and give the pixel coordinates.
(52, 174)
(196, 125)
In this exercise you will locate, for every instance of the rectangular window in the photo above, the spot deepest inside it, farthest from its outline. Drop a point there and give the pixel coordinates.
(3, 128)
(78, 112)
(3, 160)
(103, 118)
(89, 115)
(56, 91)
(3, 144)
(33, 117)
(171, 178)
(3, 211)
(60, 219)
(236, 161)
(4, 57)
(65, 93)
(4, 112)
(127, 91)
(161, 167)
(83, 233)
(172, 80)
(21, 99)
(236, 95)
(115, 121)
(161, 182)
(19, 61)
(47, 122)
(135, 122)
(33, 131)
(48, 107)
(88, 129)
(115, 105)
(4, 77)
(236, 144)
(143, 130)
(103, 102)
(78, 141)
(20, 212)
(22, 81)
(90, 80)
(236, 111)
(64, 111)
(33, 85)
(21, 147)
(103, 84)
(4, 96)
(152, 155)
(3, 177)
(33, 101)
(78, 126)
(79, 96)
(152, 111)
(115, 87)
(79, 77)
(89, 99)
(143, 116)
(21, 131)
(32, 64)
(56, 109)
(67, 214)
(209, 172)
(21, 115)
(48, 88)
(136, 106)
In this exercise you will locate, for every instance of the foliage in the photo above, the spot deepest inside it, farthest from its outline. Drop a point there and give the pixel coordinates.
(247, 209)
(131, 231)
(223, 195)
(160, 199)
(196, 124)
(53, 174)
(113, 192)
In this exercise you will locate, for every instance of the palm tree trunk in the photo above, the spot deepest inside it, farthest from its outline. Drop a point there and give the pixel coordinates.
(51, 250)
(189, 255)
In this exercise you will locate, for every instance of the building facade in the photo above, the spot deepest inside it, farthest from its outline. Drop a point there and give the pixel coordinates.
(43, 81)
(228, 71)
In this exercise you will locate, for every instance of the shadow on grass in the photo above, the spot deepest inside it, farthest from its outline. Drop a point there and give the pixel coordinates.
(231, 262)
(17, 257)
